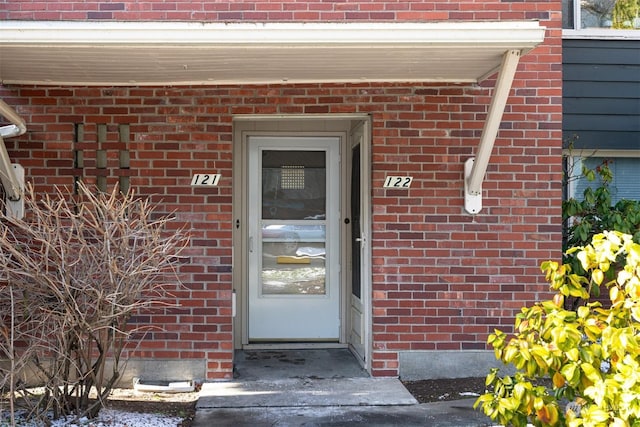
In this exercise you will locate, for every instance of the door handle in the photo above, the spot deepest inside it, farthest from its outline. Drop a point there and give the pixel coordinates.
(251, 244)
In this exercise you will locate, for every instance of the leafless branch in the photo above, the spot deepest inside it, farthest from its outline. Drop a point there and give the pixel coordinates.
(74, 272)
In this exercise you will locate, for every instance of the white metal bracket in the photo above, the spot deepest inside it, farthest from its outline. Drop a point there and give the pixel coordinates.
(15, 208)
(472, 199)
(475, 168)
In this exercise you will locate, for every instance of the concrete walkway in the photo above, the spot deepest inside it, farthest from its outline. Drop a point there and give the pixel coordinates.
(298, 389)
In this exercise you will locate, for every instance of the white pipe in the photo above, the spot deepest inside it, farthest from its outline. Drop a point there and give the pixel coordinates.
(8, 177)
(10, 182)
(17, 128)
(162, 387)
(492, 123)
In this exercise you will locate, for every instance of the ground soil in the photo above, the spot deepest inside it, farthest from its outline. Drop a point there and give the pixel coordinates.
(446, 389)
(181, 405)
(184, 404)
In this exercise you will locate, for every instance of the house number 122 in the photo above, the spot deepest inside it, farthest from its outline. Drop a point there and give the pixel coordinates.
(398, 182)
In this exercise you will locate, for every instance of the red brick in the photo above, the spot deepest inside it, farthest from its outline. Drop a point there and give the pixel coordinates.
(442, 272)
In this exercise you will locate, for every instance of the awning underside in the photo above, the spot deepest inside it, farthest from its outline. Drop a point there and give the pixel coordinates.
(135, 53)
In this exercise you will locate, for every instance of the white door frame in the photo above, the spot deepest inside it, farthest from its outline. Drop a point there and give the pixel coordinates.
(316, 125)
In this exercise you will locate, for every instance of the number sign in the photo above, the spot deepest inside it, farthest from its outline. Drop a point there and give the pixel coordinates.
(205, 179)
(398, 182)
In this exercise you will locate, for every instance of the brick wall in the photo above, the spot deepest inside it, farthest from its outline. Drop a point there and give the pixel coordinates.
(442, 280)
(268, 10)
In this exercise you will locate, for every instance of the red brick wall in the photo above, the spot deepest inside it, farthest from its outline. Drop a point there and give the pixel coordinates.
(442, 280)
(273, 10)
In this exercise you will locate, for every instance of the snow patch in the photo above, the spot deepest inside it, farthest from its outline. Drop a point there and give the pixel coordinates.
(468, 393)
(106, 418)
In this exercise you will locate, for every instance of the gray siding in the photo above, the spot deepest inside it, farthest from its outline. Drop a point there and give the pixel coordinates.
(601, 93)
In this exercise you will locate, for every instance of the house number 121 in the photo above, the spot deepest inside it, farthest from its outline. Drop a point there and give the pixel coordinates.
(205, 179)
(398, 182)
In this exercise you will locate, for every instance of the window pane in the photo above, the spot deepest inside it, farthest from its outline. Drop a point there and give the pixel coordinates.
(293, 259)
(293, 223)
(616, 14)
(626, 178)
(293, 184)
(567, 14)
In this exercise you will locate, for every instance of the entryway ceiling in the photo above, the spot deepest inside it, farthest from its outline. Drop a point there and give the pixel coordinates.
(170, 53)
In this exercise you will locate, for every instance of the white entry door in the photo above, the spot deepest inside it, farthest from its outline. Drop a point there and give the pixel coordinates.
(294, 273)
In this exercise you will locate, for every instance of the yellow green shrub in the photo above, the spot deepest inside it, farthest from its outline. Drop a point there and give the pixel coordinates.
(575, 367)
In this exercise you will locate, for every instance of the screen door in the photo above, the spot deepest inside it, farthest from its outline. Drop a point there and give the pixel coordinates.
(294, 194)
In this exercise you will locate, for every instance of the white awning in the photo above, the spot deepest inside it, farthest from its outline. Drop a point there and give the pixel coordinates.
(171, 53)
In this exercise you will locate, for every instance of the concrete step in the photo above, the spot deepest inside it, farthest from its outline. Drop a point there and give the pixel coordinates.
(299, 392)
(439, 414)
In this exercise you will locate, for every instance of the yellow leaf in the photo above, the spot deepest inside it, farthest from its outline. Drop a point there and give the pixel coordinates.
(510, 354)
(617, 422)
(591, 372)
(597, 276)
(593, 332)
(583, 312)
(558, 380)
(573, 354)
(614, 293)
(558, 300)
(490, 377)
(570, 373)
(623, 277)
(595, 416)
(548, 414)
(519, 391)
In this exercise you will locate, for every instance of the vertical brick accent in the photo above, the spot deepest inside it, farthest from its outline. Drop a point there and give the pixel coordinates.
(124, 158)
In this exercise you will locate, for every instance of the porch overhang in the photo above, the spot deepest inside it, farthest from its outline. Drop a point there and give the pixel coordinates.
(185, 53)
(176, 53)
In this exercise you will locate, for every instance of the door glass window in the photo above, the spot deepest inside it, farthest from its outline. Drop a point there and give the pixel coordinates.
(355, 223)
(293, 185)
(293, 222)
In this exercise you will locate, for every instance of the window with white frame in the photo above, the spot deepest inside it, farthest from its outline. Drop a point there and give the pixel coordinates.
(624, 166)
(601, 14)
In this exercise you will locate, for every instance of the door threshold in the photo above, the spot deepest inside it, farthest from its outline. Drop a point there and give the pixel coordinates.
(293, 345)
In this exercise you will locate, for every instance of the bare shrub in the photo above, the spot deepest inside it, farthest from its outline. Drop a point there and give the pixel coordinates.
(72, 275)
